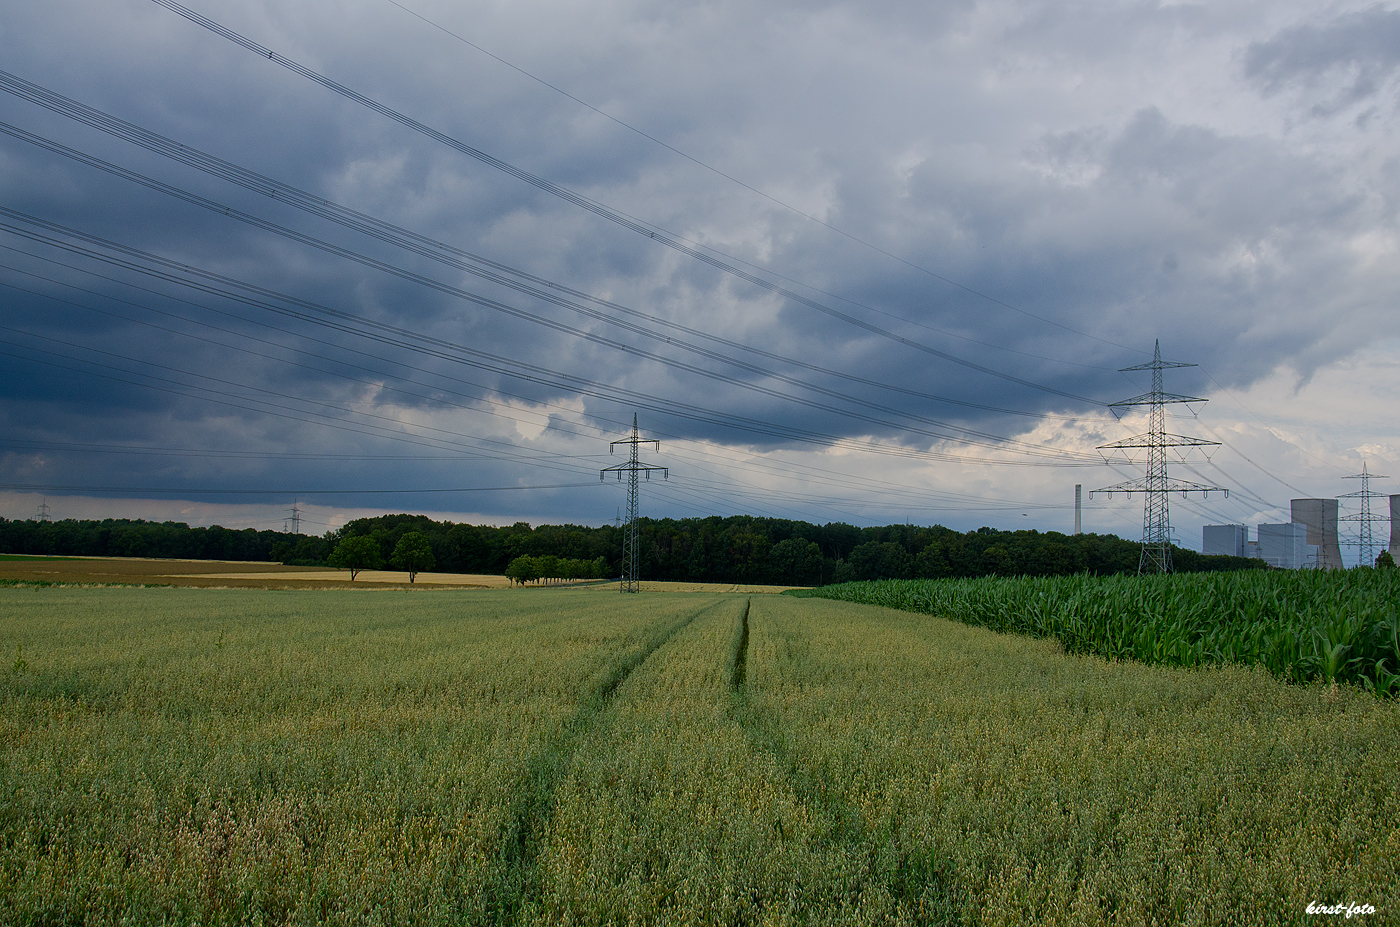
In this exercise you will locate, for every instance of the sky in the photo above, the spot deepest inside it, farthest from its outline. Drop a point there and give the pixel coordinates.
(869, 262)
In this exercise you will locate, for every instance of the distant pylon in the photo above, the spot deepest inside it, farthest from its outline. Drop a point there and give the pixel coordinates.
(1365, 538)
(1156, 520)
(295, 518)
(44, 512)
(631, 553)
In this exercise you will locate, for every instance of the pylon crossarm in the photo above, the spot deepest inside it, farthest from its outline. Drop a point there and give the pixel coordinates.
(1155, 364)
(634, 442)
(1152, 399)
(1165, 439)
(1171, 485)
(629, 468)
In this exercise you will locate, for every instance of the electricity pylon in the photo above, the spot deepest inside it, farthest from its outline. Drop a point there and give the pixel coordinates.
(1365, 540)
(631, 553)
(1156, 520)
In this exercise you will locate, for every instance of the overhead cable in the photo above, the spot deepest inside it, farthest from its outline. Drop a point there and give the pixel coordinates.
(772, 199)
(426, 246)
(597, 208)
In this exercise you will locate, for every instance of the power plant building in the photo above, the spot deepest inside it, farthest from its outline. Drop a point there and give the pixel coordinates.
(1225, 540)
(1320, 517)
(1309, 541)
(1286, 547)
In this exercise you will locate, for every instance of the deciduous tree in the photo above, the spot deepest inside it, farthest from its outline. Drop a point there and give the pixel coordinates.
(356, 554)
(413, 553)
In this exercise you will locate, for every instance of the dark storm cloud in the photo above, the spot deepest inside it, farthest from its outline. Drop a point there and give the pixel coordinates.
(1358, 51)
(1070, 227)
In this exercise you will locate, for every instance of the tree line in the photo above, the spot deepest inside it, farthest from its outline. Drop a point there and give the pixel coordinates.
(724, 549)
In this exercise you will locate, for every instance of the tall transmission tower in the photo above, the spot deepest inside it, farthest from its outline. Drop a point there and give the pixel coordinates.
(631, 547)
(294, 516)
(44, 512)
(1156, 484)
(1365, 538)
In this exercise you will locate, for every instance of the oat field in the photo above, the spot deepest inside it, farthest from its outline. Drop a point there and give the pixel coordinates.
(574, 756)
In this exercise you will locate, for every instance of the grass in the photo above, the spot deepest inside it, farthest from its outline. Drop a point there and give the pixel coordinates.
(580, 757)
(7, 557)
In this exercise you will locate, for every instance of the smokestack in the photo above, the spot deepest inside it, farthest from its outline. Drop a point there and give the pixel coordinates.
(1395, 527)
(1320, 515)
(1079, 495)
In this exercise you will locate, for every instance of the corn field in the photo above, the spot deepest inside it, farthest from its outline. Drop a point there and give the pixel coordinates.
(1337, 626)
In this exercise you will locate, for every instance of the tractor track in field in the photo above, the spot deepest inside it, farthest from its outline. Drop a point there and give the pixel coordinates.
(515, 879)
(907, 880)
(740, 663)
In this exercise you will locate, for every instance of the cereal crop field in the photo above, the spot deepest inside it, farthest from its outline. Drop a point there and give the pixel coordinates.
(574, 756)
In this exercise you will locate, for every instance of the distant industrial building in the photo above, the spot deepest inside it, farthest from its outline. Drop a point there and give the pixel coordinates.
(1309, 541)
(1286, 547)
(1225, 540)
(1320, 516)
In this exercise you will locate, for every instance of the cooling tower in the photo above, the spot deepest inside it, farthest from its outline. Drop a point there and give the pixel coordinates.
(1395, 527)
(1320, 515)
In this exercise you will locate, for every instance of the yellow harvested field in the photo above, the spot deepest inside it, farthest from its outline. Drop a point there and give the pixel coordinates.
(368, 577)
(741, 588)
(263, 575)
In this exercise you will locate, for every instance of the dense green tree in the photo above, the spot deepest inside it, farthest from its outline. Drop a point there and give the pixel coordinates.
(710, 549)
(797, 561)
(877, 560)
(413, 553)
(523, 569)
(356, 554)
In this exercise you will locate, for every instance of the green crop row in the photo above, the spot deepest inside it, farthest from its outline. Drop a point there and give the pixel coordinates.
(1337, 626)
(205, 756)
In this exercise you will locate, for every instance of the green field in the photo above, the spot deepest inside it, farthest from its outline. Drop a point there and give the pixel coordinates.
(15, 557)
(1301, 625)
(573, 756)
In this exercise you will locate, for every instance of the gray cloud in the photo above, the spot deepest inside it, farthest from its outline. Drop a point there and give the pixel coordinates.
(1346, 59)
(1011, 151)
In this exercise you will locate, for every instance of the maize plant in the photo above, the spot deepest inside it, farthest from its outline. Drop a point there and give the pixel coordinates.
(1337, 626)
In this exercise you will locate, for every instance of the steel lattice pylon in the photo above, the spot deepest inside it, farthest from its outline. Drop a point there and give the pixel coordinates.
(631, 553)
(1156, 517)
(1365, 540)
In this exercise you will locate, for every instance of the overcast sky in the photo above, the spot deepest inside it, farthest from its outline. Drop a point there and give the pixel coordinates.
(864, 262)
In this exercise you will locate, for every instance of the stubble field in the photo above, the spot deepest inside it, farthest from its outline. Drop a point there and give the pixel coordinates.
(574, 756)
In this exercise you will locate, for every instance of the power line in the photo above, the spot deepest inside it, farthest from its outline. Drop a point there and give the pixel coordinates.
(969, 435)
(813, 473)
(401, 237)
(631, 541)
(271, 491)
(1156, 485)
(1365, 540)
(751, 189)
(225, 287)
(904, 492)
(628, 222)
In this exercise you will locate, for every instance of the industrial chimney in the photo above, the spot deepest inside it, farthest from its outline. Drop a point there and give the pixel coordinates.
(1320, 515)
